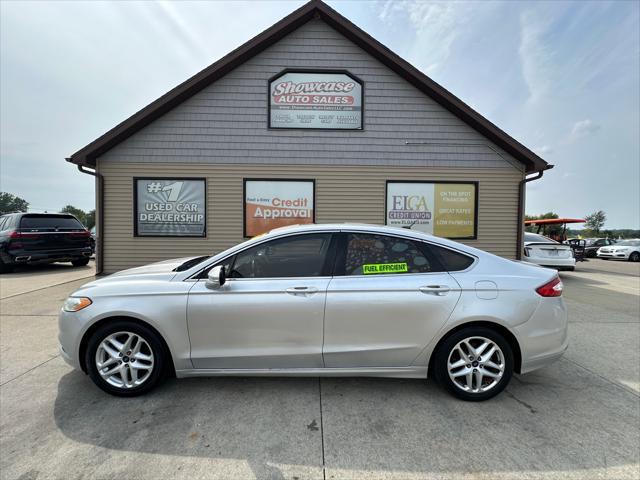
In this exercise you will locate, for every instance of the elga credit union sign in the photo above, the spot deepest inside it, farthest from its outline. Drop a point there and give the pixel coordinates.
(315, 100)
(170, 207)
(270, 204)
(443, 209)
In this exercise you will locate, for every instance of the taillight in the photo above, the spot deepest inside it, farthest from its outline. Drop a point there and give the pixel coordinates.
(16, 234)
(84, 233)
(551, 289)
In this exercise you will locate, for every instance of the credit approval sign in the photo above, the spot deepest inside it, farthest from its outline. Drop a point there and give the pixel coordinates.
(445, 209)
(270, 204)
(315, 100)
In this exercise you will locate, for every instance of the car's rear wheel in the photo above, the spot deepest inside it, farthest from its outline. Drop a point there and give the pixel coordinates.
(5, 268)
(81, 262)
(126, 359)
(474, 364)
(634, 257)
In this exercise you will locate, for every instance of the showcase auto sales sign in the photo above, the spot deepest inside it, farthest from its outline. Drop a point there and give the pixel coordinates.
(315, 100)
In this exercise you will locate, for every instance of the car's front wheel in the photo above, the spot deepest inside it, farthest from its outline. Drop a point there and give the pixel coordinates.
(125, 358)
(634, 257)
(474, 364)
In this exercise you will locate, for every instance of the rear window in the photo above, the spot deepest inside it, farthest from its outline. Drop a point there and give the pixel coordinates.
(534, 237)
(60, 222)
(452, 261)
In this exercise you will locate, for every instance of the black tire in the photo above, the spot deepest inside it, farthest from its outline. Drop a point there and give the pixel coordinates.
(441, 357)
(5, 268)
(160, 357)
(634, 257)
(81, 262)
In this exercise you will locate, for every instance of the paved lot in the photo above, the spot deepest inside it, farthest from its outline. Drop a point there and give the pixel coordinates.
(578, 419)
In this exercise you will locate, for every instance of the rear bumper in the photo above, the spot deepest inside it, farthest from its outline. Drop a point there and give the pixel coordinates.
(558, 263)
(543, 338)
(26, 256)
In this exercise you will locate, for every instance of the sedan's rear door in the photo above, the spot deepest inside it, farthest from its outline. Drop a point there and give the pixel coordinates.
(386, 302)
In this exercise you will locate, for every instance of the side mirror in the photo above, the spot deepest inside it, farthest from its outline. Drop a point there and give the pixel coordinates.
(216, 277)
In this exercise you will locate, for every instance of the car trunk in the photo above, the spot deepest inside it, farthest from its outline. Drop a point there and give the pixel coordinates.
(548, 250)
(50, 232)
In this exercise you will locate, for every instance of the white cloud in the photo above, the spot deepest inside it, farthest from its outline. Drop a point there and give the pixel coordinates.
(583, 128)
(437, 25)
(536, 57)
(543, 150)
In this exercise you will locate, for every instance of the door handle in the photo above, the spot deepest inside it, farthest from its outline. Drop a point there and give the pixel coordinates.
(438, 290)
(301, 290)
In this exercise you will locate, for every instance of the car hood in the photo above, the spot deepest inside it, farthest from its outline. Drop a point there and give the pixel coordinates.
(165, 266)
(146, 275)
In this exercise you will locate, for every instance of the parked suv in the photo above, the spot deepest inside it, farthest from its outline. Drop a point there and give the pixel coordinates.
(42, 238)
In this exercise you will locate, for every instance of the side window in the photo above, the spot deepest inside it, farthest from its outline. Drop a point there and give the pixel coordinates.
(600, 243)
(3, 221)
(296, 256)
(369, 254)
(451, 260)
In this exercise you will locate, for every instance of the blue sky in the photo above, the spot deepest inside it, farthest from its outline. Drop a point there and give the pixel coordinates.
(561, 77)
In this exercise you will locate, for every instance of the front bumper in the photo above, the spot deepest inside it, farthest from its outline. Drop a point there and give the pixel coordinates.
(620, 255)
(543, 338)
(71, 327)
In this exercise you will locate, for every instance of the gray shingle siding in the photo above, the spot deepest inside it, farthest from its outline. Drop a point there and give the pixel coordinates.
(226, 123)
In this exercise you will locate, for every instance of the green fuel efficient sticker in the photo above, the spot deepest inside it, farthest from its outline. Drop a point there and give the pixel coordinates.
(375, 268)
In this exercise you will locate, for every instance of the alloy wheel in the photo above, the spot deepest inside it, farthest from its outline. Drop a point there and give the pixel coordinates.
(476, 364)
(124, 360)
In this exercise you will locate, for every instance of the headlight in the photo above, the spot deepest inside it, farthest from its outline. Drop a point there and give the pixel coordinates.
(75, 304)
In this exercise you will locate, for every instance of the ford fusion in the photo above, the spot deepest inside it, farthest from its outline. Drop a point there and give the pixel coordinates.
(320, 300)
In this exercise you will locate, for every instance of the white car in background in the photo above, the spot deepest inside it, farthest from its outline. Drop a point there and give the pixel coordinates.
(545, 252)
(623, 250)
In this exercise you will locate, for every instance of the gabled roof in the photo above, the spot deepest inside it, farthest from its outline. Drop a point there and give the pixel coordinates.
(313, 9)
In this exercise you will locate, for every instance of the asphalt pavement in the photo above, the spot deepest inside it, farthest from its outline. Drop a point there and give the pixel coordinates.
(576, 419)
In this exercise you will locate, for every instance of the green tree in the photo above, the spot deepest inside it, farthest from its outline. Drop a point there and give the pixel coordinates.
(10, 203)
(595, 221)
(76, 212)
(549, 229)
(90, 219)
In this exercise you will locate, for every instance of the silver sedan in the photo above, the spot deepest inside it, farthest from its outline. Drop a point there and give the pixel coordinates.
(320, 300)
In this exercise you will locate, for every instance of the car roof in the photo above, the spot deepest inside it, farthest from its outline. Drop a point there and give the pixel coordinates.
(370, 228)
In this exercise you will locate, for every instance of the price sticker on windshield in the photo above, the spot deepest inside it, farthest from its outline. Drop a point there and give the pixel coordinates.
(377, 268)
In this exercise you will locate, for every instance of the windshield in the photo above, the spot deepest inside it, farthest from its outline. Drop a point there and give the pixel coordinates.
(190, 263)
(628, 243)
(535, 238)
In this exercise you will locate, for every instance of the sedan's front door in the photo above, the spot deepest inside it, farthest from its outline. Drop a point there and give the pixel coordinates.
(269, 313)
(387, 306)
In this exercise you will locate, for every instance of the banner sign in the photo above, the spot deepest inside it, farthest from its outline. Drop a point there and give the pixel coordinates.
(270, 204)
(170, 207)
(443, 209)
(315, 100)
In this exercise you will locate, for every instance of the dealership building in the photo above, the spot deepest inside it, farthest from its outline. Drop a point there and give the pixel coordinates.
(313, 120)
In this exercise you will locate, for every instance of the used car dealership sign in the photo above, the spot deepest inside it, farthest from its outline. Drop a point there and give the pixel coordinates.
(170, 207)
(315, 100)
